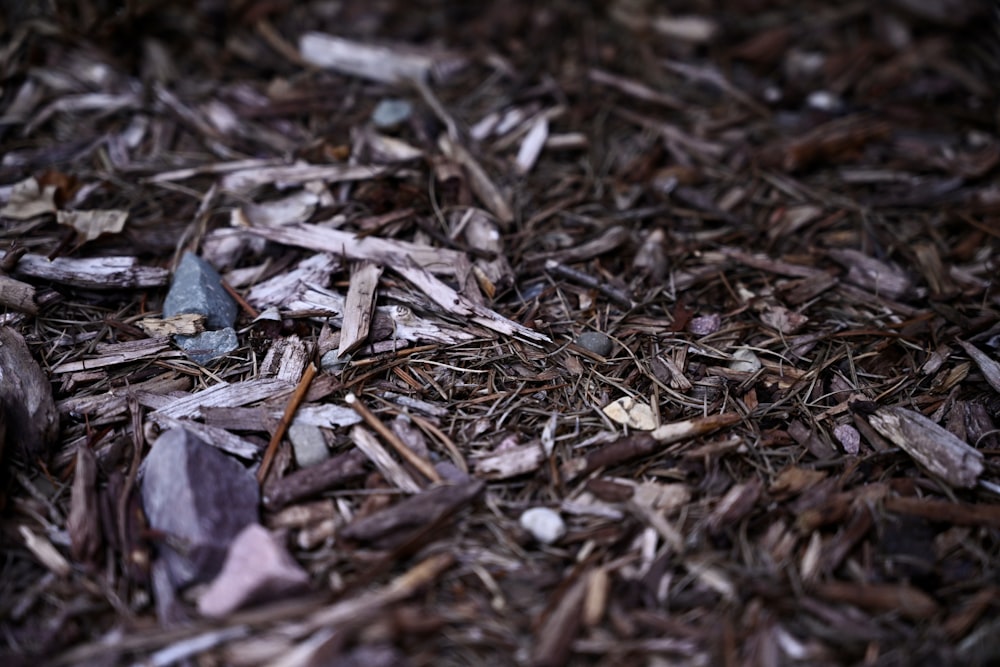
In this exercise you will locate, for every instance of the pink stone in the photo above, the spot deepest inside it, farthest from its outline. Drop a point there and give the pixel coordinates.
(257, 569)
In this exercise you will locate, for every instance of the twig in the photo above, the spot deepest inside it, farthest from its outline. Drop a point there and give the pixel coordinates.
(425, 468)
(581, 278)
(286, 419)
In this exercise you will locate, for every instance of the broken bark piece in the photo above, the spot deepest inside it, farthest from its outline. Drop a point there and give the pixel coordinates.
(200, 499)
(387, 252)
(26, 398)
(494, 275)
(907, 600)
(394, 525)
(643, 444)
(257, 569)
(933, 447)
(17, 296)
(874, 275)
(114, 354)
(83, 524)
(92, 272)
(393, 472)
(359, 306)
(411, 457)
(310, 481)
(554, 637)
(382, 63)
(485, 189)
(989, 367)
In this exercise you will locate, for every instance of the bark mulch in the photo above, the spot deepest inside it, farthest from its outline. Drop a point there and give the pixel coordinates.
(630, 332)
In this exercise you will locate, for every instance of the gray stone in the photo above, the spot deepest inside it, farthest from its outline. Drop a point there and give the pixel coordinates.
(308, 444)
(332, 362)
(390, 113)
(595, 342)
(199, 499)
(208, 345)
(197, 288)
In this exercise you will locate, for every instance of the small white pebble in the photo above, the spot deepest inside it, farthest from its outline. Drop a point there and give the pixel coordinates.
(545, 525)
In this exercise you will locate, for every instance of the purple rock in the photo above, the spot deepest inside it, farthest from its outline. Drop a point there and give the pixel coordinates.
(199, 499)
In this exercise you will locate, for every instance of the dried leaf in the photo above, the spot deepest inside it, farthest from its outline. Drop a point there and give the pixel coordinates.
(28, 199)
(91, 224)
(630, 412)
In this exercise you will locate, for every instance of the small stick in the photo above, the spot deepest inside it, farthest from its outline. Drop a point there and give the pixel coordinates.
(425, 468)
(286, 419)
(247, 308)
(587, 280)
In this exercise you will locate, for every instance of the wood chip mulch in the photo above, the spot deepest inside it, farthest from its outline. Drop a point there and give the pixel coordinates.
(776, 222)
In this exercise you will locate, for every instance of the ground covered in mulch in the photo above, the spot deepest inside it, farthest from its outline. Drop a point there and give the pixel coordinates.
(640, 335)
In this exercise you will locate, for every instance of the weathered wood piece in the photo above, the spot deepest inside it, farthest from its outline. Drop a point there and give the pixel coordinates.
(385, 64)
(643, 444)
(456, 304)
(484, 187)
(32, 422)
(387, 252)
(394, 473)
(315, 479)
(935, 448)
(394, 524)
(17, 295)
(359, 306)
(93, 272)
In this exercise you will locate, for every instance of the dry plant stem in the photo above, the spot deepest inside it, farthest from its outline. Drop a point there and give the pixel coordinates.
(446, 442)
(135, 411)
(581, 278)
(425, 468)
(247, 308)
(286, 419)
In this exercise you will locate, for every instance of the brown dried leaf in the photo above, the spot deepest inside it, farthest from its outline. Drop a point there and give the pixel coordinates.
(91, 224)
(28, 199)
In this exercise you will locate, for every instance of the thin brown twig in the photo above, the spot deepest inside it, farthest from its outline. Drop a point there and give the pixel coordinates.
(286, 419)
(425, 468)
(247, 308)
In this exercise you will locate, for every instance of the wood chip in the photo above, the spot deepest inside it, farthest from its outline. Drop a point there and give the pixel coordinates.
(933, 447)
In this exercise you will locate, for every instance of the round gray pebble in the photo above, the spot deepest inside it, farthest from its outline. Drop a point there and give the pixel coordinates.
(595, 342)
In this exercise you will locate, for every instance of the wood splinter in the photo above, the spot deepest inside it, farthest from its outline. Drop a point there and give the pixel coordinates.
(425, 468)
(286, 420)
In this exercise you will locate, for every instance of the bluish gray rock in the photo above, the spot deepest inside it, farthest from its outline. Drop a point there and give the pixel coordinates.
(391, 112)
(208, 345)
(197, 288)
(199, 499)
(595, 342)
